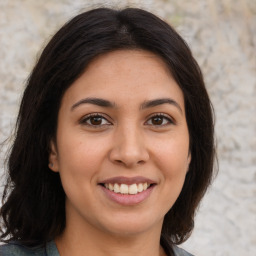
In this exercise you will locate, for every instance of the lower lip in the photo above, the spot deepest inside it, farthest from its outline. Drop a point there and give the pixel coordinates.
(126, 199)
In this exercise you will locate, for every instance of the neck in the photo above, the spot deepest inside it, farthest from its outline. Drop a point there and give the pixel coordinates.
(78, 239)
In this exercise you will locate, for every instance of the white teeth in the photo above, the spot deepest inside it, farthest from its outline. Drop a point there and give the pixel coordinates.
(116, 188)
(133, 189)
(127, 189)
(140, 187)
(110, 187)
(124, 189)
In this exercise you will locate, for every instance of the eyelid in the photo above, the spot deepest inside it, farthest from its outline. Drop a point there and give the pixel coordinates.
(166, 116)
(88, 116)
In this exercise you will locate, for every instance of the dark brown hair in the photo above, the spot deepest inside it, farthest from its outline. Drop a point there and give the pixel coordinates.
(33, 210)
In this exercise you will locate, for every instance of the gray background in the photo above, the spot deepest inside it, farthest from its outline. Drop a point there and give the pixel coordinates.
(222, 36)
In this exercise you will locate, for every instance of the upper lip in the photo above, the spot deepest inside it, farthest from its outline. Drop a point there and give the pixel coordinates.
(127, 180)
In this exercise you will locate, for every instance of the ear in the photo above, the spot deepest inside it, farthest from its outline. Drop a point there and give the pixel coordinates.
(53, 157)
(188, 161)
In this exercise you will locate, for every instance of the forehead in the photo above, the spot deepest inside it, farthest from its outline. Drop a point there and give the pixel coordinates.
(127, 62)
(126, 57)
(126, 75)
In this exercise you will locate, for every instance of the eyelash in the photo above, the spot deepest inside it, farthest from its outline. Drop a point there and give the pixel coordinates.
(167, 118)
(87, 118)
(163, 116)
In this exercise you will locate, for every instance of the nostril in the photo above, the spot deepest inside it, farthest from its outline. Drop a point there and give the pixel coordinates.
(119, 161)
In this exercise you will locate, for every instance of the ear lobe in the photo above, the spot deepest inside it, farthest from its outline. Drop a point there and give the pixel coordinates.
(189, 158)
(53, 158)
(188, 162)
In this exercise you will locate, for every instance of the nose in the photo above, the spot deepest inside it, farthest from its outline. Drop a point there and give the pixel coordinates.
(129, 148)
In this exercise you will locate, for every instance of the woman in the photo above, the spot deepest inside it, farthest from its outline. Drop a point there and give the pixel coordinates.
(114, 145)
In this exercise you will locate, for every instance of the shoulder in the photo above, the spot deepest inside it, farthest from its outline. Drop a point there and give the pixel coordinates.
(180, 252)
(13, 249)
(17, 249)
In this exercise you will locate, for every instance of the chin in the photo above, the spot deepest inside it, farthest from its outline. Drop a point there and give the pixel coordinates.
(127, 226)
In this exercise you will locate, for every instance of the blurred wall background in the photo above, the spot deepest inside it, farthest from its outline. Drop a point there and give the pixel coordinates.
(222, 36)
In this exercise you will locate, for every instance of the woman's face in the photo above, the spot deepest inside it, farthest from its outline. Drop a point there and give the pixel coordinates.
(122, 147)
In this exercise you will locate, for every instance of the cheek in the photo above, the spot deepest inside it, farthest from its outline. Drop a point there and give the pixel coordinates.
(79, 160)
(75, 148)
(173, 162)
(79, 167)
(173, 157)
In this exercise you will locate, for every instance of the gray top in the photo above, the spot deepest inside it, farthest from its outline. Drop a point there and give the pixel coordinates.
(16, 249)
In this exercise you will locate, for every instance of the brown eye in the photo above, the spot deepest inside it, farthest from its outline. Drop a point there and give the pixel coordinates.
(160, 120)
(157, 120)
(94, 120)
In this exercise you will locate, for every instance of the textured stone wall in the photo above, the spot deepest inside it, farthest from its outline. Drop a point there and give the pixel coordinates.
(222, 36)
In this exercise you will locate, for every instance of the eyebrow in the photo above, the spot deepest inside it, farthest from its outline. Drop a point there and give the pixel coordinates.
(157, 102)
(95, 101)
(108, 104)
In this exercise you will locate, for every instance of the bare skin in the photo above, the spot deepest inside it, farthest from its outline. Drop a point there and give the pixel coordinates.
(123, 121)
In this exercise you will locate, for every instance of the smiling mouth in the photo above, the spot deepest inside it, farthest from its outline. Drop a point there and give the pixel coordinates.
(121, 185)
(125, 189)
